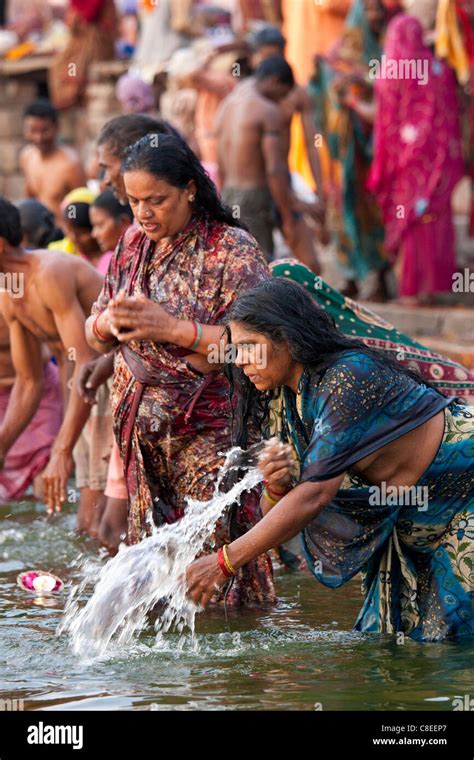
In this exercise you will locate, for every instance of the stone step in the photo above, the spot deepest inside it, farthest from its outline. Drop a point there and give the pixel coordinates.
(454, 325)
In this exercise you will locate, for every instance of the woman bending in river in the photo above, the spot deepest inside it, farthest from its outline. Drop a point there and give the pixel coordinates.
(361, 427)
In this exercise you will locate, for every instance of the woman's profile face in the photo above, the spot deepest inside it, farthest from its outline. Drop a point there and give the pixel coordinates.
(266, 364)
(105, 229)
(160, 209)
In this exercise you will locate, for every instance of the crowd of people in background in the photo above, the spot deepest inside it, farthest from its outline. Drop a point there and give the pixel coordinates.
(320, 151)
(277, 141)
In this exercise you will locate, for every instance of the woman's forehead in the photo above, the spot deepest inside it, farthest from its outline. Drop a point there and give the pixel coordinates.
(142, 182)
(240, 331)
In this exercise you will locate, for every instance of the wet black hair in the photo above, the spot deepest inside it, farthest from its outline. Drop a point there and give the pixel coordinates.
(284, 312)
(170, 158)
(10, 224)
(275, 66)
(122, 131)
(109, 203)
(42, 109)
(37, 223)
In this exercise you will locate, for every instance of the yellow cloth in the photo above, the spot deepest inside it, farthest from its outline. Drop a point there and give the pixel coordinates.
(298, 157)
(79, 195)
(449, 43)
(65, 245)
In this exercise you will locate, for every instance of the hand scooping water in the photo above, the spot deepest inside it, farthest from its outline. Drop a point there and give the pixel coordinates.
(151, 572)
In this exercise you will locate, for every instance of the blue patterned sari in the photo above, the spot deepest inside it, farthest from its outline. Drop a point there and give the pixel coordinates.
(414, 548)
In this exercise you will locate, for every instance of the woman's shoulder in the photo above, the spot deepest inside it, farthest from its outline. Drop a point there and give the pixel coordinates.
(235, 240)
(355, 360)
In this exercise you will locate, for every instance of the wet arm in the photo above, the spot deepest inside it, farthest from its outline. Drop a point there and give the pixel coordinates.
(285, 520)
(27, 388)
(69, 319)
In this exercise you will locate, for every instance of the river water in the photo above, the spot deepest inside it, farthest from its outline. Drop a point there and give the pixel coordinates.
(301, 654)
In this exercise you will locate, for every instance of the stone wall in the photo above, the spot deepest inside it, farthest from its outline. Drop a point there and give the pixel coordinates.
(23, 81)
(15, 93)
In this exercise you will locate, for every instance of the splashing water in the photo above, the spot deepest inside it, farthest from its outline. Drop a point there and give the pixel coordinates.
(139, 577)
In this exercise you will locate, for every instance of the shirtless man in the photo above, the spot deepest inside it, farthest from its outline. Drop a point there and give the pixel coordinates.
(58, 292)
(252, 167)
(51, 170)
(267, 42)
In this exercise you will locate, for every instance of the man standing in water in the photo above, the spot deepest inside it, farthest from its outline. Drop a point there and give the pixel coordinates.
(58, 293)
(252, 168)
(51, 170)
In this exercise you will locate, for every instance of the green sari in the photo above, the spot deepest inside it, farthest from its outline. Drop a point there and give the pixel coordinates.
(354, 217)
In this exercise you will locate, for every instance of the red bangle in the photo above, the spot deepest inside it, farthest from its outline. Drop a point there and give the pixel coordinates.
(276, 494)
(222, 564)
(95, 329)
(195, 328)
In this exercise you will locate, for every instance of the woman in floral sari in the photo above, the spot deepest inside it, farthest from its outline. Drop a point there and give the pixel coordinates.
(169, 285)
(376, 472)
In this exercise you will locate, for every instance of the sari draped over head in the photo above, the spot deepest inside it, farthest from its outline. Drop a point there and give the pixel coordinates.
(417, 158)
(172, 422)
(354, 217)
(415, 558)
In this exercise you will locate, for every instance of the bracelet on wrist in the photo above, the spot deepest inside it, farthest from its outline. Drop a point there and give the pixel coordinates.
(269, 498)
(197, 335)
(222, 563)
(97, 333)
(227, 561)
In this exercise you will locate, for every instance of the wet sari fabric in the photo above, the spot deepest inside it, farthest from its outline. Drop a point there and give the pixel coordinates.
(414, 550)
(172, 422)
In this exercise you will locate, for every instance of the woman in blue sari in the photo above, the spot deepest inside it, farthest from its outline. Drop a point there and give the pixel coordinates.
(374, 471)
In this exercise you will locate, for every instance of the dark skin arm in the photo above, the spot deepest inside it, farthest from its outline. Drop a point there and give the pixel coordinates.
(27, 389)
(284, 521)
(276, 170)
(68, 315)
(93, 374)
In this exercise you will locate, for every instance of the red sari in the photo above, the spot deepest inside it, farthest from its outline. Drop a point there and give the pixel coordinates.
(171, 421)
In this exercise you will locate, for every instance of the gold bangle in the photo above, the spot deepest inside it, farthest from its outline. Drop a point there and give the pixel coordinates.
(269, 498)
(227, 561)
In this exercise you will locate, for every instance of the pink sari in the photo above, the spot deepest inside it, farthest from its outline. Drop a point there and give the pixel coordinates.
(417, 161)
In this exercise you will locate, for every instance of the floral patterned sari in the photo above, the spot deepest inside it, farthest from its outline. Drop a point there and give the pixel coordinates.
(172, 423)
